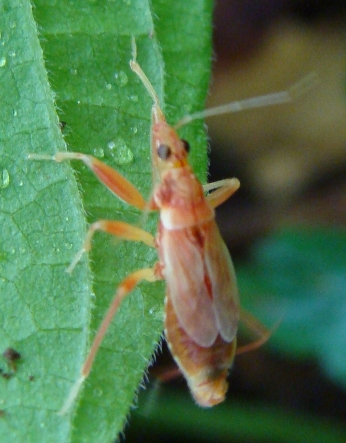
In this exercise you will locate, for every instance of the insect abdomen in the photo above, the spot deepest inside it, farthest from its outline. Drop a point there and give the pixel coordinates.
(205, 368)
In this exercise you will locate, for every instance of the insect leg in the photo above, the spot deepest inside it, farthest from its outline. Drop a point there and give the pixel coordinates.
(255, 325)
(113, 227)
(114, 181)
(224, 190)
(124, 289)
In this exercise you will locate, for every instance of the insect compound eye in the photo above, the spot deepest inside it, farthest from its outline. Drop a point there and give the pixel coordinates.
(164, 152)
(186, 145)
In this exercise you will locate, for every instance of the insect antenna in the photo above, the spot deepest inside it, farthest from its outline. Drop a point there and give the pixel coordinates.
(156, 112)
(276, 98)
(138, 70)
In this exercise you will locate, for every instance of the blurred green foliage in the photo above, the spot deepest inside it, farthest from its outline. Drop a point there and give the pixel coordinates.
(299, 275)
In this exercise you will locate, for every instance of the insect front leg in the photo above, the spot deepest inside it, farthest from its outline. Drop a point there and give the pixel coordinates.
(124, 289)
(114, 181)
(121, 187)
(119, 229)
(224, 190)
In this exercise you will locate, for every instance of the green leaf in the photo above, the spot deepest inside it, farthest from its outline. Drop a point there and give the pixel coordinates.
(299, 275)
(83, 48)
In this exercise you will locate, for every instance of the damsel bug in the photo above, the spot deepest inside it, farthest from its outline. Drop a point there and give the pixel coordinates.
(201, 305)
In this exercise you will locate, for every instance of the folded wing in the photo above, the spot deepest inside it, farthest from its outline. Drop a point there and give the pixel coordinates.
(201, 282)
(224, 285)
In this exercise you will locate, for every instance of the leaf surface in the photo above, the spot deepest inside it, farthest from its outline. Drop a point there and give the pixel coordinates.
(76, 70)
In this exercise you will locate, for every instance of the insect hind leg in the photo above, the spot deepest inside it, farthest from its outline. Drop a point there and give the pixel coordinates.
(256, 326)
(124, 289)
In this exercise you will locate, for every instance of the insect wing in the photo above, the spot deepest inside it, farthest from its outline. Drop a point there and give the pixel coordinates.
(223, 281)
(184, 272)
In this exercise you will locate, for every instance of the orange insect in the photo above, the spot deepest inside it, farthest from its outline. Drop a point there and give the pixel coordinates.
(201, 305)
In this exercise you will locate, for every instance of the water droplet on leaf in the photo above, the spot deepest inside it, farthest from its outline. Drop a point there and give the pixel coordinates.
(98, 392)
(99, 152)
(4, 178)
(120, 152)
(121, 78)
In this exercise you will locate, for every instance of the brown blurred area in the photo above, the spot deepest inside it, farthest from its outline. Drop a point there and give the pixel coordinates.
(291, 158)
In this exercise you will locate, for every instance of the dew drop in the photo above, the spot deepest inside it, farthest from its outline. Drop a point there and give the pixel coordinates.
(121, 78)
(134, 98)
(120, 152)
(4, 178)
(20, 183)
(111, 146)
(15, 113)
(99, 152)
(98, 392)
(134, 129)
(12, 53)
(108, 86)
(73, 71)
(2, 62)
(13, 25)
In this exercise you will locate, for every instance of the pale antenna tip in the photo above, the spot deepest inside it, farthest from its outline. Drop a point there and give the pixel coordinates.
(304, 85)
(39, 157)
(134, 49)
